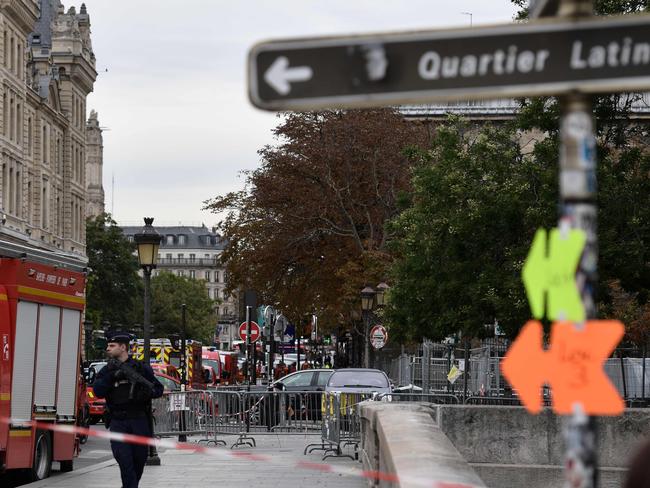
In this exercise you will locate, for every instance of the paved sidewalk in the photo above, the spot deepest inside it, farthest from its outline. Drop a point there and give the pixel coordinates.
(189, 469)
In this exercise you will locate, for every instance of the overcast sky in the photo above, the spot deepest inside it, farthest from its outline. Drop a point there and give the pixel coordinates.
(171, 91)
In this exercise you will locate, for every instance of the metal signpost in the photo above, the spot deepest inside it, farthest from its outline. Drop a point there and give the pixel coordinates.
(569, 55)
(545, 57)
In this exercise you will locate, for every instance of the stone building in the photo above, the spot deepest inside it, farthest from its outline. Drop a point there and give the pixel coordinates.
(47, 67)
(194, 252)
(94, 167)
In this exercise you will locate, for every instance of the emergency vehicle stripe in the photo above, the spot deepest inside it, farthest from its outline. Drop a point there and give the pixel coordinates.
(51, 294)
(5, 397)
(20, 433)
(4, 297)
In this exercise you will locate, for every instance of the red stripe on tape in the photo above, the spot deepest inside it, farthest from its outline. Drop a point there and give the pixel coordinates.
(224, 453)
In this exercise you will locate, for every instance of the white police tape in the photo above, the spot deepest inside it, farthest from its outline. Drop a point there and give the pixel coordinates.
(226, 454)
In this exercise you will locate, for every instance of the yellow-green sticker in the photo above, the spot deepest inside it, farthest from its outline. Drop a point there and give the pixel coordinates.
(553, 275)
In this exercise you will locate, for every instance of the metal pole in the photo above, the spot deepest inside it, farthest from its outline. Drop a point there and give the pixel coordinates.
(152, 459)
(146, 332)
(183, 364)
(298, 346)
(466, 372)
(366, 341)
(620, 356)
(272, 348)
(249, 374)
(578, 210)
(643, 370)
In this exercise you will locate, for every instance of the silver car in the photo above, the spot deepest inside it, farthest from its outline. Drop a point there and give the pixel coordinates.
(359, 380)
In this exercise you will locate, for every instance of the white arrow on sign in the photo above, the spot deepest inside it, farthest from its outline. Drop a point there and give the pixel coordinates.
(280, 76)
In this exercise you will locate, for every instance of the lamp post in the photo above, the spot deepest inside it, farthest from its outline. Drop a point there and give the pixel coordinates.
(367, 302)
(148, 242)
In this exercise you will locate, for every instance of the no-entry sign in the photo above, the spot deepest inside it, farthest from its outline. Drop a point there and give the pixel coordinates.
(546, 57)
(255, 331)
(378, 336)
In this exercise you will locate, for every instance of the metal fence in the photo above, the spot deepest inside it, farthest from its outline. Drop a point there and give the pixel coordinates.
(480, 374)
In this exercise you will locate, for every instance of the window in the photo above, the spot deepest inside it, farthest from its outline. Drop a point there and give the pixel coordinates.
(168, 256)
(299, 379)
(192, 274)
(181, 272)
(170, 240)
(182, 240)
(207, 256)
(216, 293)
(181, 255)
(192, 257)
(45, 204)
(207, 276)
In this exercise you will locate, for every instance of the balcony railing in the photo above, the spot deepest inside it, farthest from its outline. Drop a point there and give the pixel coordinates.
(200, 262)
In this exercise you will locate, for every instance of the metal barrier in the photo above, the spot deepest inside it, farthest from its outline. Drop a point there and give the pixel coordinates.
(182, 413)
(341, 424)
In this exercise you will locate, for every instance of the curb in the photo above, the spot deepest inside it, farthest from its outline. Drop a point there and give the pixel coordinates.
(73, 474)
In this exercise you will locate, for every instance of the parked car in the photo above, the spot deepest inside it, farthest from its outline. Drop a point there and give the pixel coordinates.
(359, 380)
(169, 383)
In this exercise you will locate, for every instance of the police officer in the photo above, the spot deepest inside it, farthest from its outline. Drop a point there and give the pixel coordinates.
(128, 404)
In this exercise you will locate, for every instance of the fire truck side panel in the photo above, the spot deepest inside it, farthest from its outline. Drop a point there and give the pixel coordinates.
(20, 448)
(69, 364)
(22, 384)
(63, 446)
(5, 370)
(47, 360)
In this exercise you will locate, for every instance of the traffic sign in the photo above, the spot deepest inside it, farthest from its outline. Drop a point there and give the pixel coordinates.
(572, 366)
(255, 331)
(554, 275)
(378, 336)
(545, 57)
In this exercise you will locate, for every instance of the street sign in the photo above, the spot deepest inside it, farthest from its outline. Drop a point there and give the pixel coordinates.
(378, 336)
(545, 57)
(572, 366)
(255, 331)
(553, 276)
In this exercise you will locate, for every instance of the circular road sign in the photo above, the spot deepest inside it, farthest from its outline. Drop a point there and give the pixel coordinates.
(255, 331)
(378, 336)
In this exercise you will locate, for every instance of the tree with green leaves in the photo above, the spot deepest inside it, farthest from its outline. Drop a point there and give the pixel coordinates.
(168, 293)
(113, 277)
(464, 233)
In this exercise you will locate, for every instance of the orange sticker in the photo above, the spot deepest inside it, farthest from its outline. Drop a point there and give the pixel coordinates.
(572, 366)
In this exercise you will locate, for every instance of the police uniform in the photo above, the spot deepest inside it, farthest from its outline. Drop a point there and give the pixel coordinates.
(128, 415)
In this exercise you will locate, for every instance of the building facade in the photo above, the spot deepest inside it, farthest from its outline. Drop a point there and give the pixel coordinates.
(94, 167)
(194, 252)
(47, 69)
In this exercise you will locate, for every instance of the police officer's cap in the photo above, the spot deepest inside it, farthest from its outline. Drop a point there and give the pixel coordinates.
(119, 337)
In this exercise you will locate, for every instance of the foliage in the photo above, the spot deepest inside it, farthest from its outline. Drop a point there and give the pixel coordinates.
(308, 230)
(168, 293)
(113, 279)
(462, 240)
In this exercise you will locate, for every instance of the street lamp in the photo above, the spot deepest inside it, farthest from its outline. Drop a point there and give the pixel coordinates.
(367, 302)
(148, 242)
(382, 288)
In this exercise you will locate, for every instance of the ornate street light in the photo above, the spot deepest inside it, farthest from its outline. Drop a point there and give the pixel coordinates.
(382, 288)
(367, 302)
(148, 242)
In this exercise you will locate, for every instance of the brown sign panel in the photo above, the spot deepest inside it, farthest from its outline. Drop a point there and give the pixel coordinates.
(540, 58)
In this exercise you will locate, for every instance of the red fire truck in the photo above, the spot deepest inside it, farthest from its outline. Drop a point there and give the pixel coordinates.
(41, 304)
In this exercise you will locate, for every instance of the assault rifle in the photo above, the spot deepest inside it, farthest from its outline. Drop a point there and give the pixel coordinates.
(132, 375)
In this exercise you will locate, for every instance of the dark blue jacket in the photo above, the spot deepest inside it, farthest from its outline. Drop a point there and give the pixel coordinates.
(105, 381)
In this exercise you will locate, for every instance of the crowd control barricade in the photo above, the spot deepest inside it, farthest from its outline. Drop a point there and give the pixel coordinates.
(182, 413)
(341, 423)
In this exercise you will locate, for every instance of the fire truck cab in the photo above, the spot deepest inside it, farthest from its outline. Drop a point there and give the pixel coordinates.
(41, 305)
(162, 350)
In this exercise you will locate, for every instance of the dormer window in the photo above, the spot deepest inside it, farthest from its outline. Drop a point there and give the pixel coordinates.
(182, 240)
(169, 240)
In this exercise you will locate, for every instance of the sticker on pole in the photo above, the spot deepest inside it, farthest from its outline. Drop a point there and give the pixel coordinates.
(378, 336)
(549, 277)
(573, 366)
